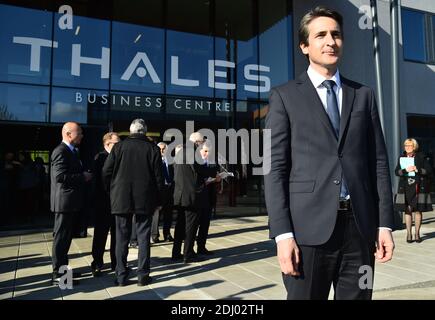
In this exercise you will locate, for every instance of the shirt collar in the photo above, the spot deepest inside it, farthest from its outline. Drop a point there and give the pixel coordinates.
(70, 146)
(317, 79)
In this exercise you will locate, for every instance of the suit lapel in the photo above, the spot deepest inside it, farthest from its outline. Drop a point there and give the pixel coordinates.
(346, 108)
(314, 104)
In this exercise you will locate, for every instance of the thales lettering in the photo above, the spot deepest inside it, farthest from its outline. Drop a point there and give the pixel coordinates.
(141, 66)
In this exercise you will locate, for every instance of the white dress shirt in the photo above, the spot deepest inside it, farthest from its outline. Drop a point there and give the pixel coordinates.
(317, 80)
(70, 146)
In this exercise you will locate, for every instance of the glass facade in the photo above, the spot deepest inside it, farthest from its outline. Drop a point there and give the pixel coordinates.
(167, 61)
(179, 50)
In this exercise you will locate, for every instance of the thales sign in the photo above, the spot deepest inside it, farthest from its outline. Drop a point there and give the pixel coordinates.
(141, 66)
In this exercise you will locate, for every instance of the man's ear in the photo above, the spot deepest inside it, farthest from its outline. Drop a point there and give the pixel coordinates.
(304, 48)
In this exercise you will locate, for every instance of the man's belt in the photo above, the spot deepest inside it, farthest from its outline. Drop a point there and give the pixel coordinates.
(345, 205)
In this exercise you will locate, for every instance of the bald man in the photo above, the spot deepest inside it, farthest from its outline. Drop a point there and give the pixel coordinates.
(67, 193)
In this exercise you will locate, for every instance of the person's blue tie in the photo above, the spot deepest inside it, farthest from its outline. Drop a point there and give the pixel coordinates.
(332, 106)
(166, 172)
(334, 116)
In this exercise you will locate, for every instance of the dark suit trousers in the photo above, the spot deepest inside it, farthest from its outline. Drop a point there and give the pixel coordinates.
(336, 262)
(104, 221)
(80, 228)
(62, 237)
(185, 228)
(123, 234)
(166, 212)
(204, 225)
(133, 237)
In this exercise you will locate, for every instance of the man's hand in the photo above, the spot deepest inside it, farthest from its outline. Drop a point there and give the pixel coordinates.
(88, 176)
(384, 245)
(288, 256)
(218, 178)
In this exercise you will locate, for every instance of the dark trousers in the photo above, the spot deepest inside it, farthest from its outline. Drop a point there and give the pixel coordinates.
(166, 212)
(123, 234)
(80, 228)
(185, 228)
(62, 237)
(104, 221)
(133, 237)
(336, 262)
(204, 225)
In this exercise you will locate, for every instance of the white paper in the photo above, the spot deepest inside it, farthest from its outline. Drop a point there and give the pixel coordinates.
(405, 162)
(225, 174)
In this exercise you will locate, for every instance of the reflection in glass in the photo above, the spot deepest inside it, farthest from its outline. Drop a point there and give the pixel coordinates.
(236, 40)
(137, 58)
(21, 30)
(413, 34)
(187, 64)
(23, 102)
(275, 41)
(74, 104)
(83, 57)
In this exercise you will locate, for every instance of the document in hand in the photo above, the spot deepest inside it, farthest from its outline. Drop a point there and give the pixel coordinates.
(210, 180)
(225, 174)
(405, 162)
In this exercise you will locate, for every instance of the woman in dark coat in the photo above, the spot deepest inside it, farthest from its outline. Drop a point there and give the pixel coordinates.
(413, 194)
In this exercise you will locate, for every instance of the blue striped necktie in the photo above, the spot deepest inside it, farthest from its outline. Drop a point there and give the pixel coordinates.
(334, 117)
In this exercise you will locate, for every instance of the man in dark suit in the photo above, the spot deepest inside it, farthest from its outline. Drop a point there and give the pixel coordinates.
(167, 200)
(67, 192)
(328, 193)
(206, 199)
(104, 220)
(133, 172)
(189, 177)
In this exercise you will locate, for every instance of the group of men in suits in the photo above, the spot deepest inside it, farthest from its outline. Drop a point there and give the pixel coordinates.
(132, 178)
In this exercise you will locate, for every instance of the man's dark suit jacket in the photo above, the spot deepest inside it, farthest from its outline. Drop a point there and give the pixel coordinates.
(189, 179)
(166, 196)
(307, 163)
(133, 173)
(67, 181)
(102, 199)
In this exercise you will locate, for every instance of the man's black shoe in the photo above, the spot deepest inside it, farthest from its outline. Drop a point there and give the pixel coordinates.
(144, 281)
(204, 251)
(96, 270)
(132, 244)
(169, 238)
(192, 259)
(81, 235)
(56, 278)
(155, 240)
(177, 257)
(120, 283)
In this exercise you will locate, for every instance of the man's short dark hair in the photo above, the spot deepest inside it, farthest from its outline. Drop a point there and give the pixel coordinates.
(317, 12)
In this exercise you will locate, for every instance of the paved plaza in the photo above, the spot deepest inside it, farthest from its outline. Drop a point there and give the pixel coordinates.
(244, 267)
